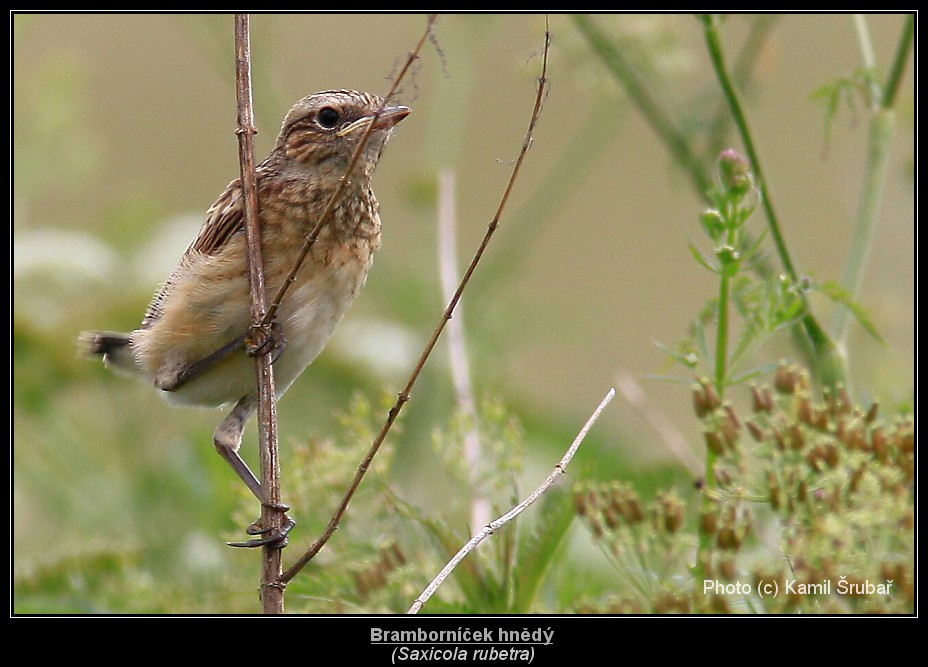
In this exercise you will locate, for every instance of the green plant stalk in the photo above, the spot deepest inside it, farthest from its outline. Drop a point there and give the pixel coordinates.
(661, 123)
(899, 63)
(866, 53)
(828, 360)
(721, 381)
(741, 72)
(721, 342)
(880, 135)
(721, 357)
(879, 139)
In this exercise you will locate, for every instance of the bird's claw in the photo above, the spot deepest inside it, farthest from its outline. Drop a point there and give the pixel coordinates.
(269, 536)
(266, 339)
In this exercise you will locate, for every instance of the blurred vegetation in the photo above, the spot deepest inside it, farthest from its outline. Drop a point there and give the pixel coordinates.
(120, 504)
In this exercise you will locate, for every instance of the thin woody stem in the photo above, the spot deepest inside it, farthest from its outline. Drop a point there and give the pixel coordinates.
(272, 595)
(404, 395)
(494, 526)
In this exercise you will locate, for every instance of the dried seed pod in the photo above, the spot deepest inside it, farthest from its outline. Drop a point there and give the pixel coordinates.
(672, 514)
(905, 438)
(705, 398)
(845, 404)
(728, 568)
(778, 439)
(714, 442)
(784, 380)
(611, 517)
(725, 538)
(856, 476)
(723, 476)
(790, 379)
(797, 439)
(804, 410)
(815, 457)
(831, 454)
(820, 420)
(709, 520)
(761, 399)
(756, 432)
(879, 443)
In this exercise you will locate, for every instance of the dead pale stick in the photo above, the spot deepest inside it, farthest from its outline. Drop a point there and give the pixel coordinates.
(457, 347)
(493, 526)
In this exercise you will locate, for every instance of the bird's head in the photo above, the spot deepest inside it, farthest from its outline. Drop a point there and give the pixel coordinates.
(322, 131)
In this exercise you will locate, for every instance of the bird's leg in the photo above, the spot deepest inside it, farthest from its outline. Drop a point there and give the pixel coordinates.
(228, 439)
(172, 378)
(262, 339)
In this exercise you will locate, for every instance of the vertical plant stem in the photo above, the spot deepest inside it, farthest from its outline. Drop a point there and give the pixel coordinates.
(457, 348)
(734, 102)
(899, 63)
(879, 139)
(828, 360)
(866, 55)
(272, 594)
(721, 343)
(721, 382)
(644, 99)
(741, 72)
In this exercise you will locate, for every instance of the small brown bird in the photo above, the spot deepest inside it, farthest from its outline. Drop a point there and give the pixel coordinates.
(191, 342)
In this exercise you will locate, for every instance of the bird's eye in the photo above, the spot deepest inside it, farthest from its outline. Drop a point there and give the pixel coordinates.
(327, 117)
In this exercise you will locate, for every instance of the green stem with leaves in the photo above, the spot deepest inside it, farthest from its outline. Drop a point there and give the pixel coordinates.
(727, 269)
(828, 360)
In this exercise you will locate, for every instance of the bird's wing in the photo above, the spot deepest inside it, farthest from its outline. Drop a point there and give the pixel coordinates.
(224, 219)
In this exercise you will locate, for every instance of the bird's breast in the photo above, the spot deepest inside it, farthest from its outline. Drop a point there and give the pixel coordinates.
(323, 290)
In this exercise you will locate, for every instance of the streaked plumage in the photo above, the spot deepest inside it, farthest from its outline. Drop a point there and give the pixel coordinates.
(188, 343)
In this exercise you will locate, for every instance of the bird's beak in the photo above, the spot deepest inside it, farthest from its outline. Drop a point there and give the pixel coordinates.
(387, 118)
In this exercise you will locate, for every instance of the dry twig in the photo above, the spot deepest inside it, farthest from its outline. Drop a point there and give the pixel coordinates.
(404, 395)
(492, 527)
(271, 594)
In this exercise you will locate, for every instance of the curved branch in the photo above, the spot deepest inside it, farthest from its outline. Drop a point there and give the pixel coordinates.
(493, 526)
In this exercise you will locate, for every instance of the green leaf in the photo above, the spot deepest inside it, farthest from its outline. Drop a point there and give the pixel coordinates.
(756, 372)
(702, 344)
(672, 379)
(539, 548)
(830, 96)
(688, 359)
(702, 260)
(840, 295)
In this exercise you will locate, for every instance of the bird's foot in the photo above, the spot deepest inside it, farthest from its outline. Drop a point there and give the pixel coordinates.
(266, 339)
(268, 535)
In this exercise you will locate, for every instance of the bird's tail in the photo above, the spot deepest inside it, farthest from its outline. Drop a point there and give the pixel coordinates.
(115, 348)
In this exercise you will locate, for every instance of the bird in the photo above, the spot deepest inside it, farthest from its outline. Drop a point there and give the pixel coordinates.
(193, 340)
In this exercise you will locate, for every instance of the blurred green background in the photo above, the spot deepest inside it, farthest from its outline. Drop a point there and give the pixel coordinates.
(123, 137)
